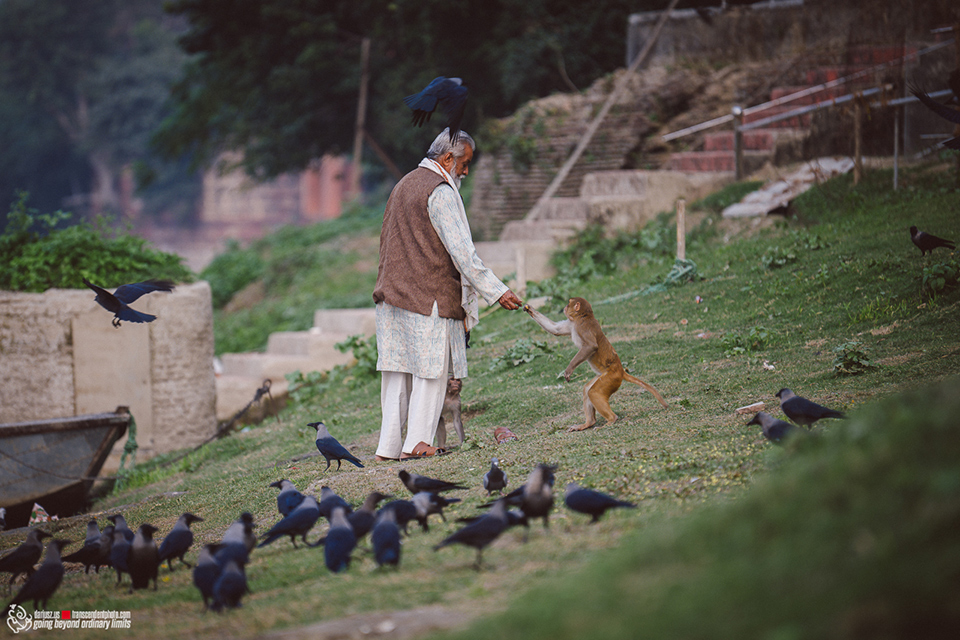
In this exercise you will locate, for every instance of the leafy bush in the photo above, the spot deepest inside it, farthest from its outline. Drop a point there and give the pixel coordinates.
(40, 254)
(851, 359)
(595, 254)
(521, 352)
(940, 277)
(735, 344)
(775, 258)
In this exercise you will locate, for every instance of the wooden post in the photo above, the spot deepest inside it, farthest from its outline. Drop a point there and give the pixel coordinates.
(857, 140)
(361, 117)
(681, 229)
(738, 141)
(956, 60)
(896, 147)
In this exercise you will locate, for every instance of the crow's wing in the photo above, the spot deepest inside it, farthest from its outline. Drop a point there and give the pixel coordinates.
(426, 100)
(941, 110)
(132, 315)
(104, 298)
(129, 292)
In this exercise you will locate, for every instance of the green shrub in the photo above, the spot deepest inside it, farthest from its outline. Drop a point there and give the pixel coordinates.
(940, 277)
(39, 253)
(851, 359)
(521, 352)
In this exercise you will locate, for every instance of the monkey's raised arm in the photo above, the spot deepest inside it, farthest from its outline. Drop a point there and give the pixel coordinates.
(562, 328)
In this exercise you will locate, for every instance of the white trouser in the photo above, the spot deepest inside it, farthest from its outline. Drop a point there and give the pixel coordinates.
(406, 398)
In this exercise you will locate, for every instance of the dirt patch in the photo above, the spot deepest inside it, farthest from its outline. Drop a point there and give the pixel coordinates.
(397, 625)
(901, 359)
(882, 331)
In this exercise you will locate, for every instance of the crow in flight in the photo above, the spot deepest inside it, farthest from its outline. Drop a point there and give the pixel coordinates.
(117, 301)
(447, 93)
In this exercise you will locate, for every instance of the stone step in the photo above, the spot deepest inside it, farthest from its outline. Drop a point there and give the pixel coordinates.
(346, 321)
(561, 209)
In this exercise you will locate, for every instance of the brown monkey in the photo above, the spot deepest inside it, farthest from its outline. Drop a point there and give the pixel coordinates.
(451, 407)
(593, 346)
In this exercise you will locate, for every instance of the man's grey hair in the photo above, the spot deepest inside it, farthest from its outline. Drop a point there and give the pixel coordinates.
(441, 145)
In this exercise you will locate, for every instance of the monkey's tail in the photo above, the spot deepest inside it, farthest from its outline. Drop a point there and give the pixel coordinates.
(647, 386)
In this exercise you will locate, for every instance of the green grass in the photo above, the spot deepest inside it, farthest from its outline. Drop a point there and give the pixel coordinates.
(732, 537)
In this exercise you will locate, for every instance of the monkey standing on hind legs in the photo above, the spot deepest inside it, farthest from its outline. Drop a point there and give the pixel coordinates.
(451, 408)
(593, 346)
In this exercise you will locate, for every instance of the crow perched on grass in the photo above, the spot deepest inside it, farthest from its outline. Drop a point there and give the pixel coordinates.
(928, 242)
(590, 502)
(774, 430)
(803, 411)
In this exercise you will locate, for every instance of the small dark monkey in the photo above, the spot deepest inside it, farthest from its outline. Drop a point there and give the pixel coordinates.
(593, 347)
(451, 409)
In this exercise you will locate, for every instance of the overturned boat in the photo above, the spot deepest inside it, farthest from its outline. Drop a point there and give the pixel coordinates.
(55, 462)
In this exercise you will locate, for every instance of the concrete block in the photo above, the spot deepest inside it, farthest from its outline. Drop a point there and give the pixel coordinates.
(346, 321)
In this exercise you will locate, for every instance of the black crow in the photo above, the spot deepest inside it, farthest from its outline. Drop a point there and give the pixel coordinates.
(230, 586)
(417, 483)
(428, 503)
(238, 540)
(22, 559)
(590, 502)
(404, 511)
(803, 411)
(386, 539)
(298, 523)
(289, 496)
(481, 532)
(178, 541)
(117, 301)
(120, 524)
(143, 558)
(340, 542)
(120, 554)
(89, 554)
(494, 479)
(206, 572)
(928, 242)
(45, 580)
(447, 93)
(774, 430)
(330, 448)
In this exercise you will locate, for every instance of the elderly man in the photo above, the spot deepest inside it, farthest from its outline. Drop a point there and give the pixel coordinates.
(426, 293)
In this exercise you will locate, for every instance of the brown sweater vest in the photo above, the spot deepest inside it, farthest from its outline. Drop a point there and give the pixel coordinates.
(415, 268)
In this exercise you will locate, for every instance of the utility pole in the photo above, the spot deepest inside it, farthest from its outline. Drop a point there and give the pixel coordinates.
(361, 117)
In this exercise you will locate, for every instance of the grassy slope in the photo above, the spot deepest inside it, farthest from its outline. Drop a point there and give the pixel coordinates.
(683, 465)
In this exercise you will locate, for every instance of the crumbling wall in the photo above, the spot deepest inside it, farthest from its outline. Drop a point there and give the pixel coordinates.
(60, 356)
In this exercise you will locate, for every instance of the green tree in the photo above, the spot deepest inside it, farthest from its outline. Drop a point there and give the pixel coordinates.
(82, 79)
(278, 79)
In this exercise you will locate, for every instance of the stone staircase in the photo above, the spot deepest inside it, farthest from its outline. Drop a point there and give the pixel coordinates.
(766, 144)
(288, 351)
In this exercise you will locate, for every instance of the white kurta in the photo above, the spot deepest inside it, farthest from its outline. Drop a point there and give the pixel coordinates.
(414, 343)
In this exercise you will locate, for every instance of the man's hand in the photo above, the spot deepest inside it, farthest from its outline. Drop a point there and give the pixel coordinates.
(510, 301)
